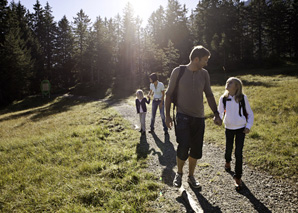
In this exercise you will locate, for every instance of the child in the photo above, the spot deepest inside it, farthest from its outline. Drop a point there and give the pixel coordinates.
(238, 120)
(142, 109)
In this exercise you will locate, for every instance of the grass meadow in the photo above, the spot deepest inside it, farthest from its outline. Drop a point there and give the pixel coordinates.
(70, 155)
(66, 155)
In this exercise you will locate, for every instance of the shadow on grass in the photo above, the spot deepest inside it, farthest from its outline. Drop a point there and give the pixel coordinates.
(41, 107)
(45, 108)
(142, 148)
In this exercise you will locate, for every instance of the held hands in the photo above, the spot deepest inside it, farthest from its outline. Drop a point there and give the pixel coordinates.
(169, 122)
(217, 120)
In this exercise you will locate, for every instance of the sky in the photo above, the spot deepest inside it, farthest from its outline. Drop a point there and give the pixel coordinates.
(103, 8)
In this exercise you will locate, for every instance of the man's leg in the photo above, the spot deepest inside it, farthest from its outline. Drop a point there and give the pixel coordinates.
(178, 176)
(180, 164)
(196, 148)
(192, 165)
(183, 138)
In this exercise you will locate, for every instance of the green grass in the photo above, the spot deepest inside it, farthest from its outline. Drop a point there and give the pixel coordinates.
(71, 155)
(272, 144)
(66, 155)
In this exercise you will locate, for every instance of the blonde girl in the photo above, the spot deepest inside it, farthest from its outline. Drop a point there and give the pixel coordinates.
(142, 109)
(238, 118)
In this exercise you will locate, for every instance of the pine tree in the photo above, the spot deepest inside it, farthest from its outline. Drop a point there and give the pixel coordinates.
(156, 26)
(49, 40)
(177, 30)
(15, 60)
(81, 33)
(64, 53)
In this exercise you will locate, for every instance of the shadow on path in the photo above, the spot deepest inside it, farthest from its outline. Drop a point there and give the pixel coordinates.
(166, 158)
(204, 203)
(186, 204)
(258, 205)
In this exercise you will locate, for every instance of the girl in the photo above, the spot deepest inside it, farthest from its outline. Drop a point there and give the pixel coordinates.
(142, 109)
(238, 120)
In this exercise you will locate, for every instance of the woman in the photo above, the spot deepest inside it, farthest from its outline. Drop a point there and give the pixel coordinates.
(157, 90)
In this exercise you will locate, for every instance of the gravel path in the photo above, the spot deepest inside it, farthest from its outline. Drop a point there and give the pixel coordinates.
(261, 192)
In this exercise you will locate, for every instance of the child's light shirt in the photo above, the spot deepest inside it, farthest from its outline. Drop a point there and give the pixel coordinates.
(158, 90)
(232, 119)
(141, 108)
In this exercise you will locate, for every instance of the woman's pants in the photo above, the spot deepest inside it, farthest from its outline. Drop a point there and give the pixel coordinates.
(155, 105)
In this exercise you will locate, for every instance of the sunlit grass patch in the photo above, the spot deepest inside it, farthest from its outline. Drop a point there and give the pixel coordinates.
(79, 159)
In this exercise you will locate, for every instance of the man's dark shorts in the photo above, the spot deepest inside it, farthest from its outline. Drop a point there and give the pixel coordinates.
(190, 136)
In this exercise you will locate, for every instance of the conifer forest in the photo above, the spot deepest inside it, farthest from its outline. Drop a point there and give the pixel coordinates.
(120, 53)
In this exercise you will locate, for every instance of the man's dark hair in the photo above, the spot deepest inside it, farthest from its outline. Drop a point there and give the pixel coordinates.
(153, 77)
(200, 52)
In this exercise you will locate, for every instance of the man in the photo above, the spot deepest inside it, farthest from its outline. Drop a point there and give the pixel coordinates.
(157, 90)
(190, 111)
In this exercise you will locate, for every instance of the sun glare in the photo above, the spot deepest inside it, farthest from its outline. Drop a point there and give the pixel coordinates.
(142, 8)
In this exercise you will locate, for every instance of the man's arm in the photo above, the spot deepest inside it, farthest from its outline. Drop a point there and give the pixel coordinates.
(213, 107)
(169, 121)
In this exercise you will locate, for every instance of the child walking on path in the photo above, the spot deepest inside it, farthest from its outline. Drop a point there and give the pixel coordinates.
(238, 120)
(142, 109)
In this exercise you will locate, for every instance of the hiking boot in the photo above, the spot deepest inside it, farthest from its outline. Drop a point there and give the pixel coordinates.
(192, 181)
(177, 180)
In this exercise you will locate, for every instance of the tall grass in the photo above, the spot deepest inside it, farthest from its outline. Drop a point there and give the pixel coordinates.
(71, 156)
(272, 144)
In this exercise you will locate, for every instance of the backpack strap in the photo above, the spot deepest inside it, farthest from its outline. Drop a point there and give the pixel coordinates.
(224, 101)
(242, 104)
(175, 93)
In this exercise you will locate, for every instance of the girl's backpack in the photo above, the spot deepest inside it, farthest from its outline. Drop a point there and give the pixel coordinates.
(241, 105)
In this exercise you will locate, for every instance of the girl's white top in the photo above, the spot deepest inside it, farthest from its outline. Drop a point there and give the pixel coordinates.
(232, 119)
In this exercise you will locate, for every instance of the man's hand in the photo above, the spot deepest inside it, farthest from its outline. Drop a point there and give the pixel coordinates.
(217, 120)
(246, 131)
(169, 122)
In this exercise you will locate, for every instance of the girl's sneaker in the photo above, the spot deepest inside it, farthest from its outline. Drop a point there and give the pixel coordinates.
(238, 183)
(228, 166)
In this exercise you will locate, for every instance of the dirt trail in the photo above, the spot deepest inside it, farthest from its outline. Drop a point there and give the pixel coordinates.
(261, 193)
